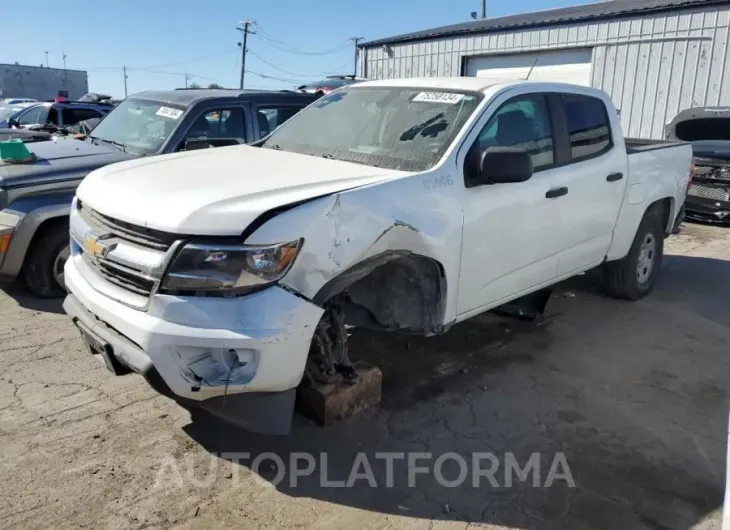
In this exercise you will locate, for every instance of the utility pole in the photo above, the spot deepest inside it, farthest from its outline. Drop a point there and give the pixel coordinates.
(355, 40)
(245, 30)
(484, 11)
(65, 74)
(46, 59)
(186, 80)
(124, 71)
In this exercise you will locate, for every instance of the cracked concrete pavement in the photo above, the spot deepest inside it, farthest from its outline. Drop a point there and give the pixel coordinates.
(635, 395)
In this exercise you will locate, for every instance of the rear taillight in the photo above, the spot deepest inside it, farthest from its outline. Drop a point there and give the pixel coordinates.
(691, 175)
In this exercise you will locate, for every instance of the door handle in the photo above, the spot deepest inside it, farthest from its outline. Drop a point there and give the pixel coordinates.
(613, 177)
(556, 192)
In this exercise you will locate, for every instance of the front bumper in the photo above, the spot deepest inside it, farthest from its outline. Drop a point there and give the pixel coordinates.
(708, 210)
(709, 200)
(240, 358)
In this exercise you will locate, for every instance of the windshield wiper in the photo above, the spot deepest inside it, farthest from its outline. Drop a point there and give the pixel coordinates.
(411, 133)
(107, 141)
(276, 147)
(328, 156)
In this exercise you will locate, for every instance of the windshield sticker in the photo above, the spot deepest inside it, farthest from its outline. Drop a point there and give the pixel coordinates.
(438, 97)
(167, 112)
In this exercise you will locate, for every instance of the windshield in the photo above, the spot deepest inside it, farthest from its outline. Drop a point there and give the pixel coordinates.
(139, 125)
(406, 129)
(9, 112)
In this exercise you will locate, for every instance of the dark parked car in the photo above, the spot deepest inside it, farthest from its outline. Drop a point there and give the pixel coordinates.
(51, 116)
(10, 111)
(708, 130)
(35, 198)
(329, 84)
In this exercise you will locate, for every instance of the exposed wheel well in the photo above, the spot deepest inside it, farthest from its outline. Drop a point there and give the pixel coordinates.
(44, 228)
(396, 290)
(662, 209)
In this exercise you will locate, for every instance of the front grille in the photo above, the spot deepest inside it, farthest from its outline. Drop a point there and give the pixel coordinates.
(133, 252)
(127, 279)
(714, 193)
(146, 237)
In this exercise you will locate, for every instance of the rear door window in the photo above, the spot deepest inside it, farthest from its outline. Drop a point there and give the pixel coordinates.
(270, 117)
(72, 116)
(588, 126)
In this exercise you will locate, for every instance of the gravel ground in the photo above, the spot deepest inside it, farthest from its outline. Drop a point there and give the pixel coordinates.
(633, 395)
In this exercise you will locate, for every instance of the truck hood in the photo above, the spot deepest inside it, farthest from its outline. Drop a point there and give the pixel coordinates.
(217, 191)
(58, 161)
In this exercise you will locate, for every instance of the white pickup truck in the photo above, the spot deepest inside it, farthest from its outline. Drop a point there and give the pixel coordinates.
(227, 276)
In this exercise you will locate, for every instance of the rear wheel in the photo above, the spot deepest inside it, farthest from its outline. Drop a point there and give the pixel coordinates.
(634, 276)
(45, 262)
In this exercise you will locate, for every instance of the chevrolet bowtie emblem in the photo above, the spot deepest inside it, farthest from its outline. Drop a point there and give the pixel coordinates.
(95, 245)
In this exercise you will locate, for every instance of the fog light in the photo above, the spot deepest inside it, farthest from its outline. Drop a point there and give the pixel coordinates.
(218, 367)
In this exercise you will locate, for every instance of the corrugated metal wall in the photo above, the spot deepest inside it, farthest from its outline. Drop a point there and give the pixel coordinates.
(652, 66)
(41, 83)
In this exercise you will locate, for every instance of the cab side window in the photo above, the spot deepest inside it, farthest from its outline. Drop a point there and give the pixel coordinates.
(522, 122)
(588, 126)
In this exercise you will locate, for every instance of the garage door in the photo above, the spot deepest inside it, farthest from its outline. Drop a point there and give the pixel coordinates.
(565, 66)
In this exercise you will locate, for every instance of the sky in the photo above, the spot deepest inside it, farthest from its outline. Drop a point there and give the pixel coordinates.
(160, 41)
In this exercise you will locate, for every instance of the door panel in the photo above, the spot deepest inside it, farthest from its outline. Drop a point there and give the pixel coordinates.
(511, 237)
(590, 210)
(510, 241)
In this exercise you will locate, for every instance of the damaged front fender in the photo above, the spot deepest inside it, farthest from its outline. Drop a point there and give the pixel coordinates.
(353, 234)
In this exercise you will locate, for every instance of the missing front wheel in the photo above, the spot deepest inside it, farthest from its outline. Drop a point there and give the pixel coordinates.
(329, 359)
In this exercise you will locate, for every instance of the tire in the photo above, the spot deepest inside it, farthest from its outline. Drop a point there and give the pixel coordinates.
(43, 267)
(633, 277)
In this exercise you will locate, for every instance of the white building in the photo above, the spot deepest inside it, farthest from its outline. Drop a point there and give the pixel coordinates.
(654, 57)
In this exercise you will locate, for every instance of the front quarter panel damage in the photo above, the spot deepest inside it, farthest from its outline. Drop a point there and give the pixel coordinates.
(390, 238)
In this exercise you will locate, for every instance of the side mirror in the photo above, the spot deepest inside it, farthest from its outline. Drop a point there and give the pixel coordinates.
(12, 122)
(505, 164)
(196, 143)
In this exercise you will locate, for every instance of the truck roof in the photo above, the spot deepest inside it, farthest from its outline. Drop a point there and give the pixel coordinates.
(474, 84)
(187, 97)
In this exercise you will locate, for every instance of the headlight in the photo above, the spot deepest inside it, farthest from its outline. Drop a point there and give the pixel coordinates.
(238, 268)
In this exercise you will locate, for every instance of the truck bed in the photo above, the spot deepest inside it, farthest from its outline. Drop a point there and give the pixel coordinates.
(640, 145)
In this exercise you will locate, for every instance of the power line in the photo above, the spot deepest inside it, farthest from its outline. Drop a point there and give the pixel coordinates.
(282, 79)
(283, 46)
(186, 61)
(175, 73)
(298, 74)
